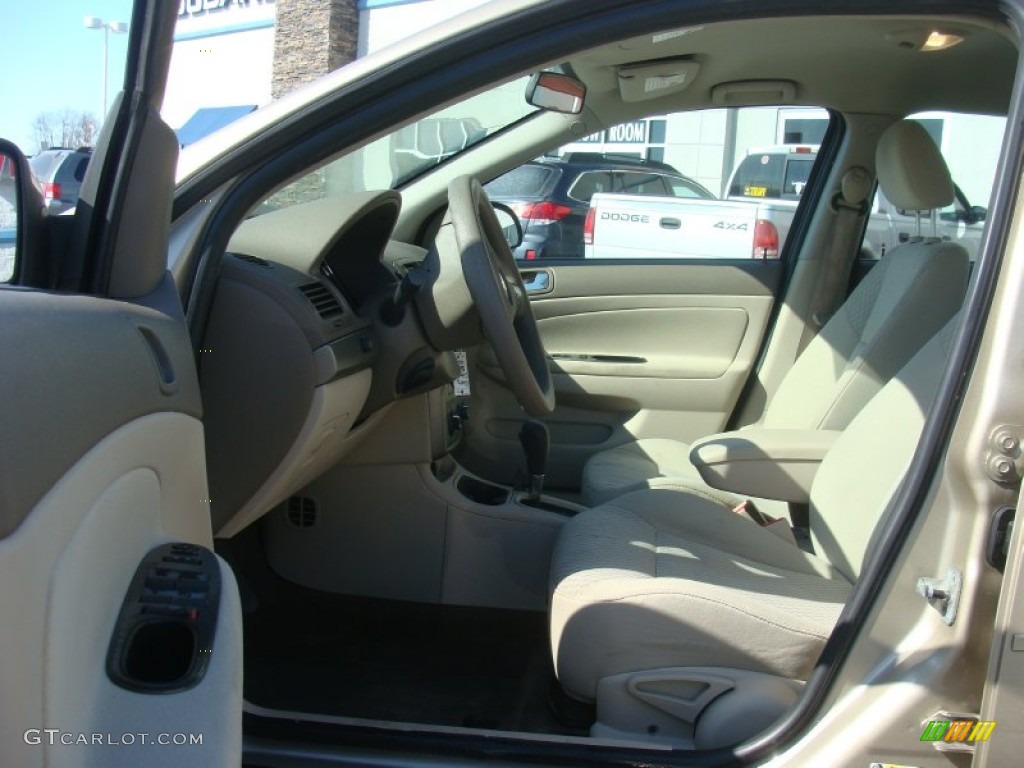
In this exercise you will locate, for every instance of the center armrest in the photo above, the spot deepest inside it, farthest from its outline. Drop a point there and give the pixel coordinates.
(768, 463)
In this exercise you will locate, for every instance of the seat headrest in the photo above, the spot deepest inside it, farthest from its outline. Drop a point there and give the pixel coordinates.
(911, 171)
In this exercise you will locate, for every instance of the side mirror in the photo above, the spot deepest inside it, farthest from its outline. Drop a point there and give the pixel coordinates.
(556, 93)
(21, 212)
(978, 213)
(510, 225)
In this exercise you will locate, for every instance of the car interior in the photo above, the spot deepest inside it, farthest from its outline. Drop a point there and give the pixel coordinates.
(631, 510)
(614, 502)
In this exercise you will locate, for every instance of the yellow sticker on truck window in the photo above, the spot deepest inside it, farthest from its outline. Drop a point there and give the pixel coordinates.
(755, 191)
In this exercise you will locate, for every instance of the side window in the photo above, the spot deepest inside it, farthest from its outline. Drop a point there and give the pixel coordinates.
(630, 183)
(684, 188)
(726, 182)
(797, 172)
(589, 184)
(80, 169)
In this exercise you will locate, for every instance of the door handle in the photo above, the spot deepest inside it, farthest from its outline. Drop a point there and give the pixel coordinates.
(903, 237)
(537, 282)
(670, 223)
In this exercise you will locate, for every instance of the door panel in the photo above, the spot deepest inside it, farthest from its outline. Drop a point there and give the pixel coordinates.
(637, 350)
(117, 445)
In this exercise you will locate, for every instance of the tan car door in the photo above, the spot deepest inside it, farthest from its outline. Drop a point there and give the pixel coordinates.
(120, 630)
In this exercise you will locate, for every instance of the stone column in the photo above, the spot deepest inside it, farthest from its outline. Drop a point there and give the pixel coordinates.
(312, 38)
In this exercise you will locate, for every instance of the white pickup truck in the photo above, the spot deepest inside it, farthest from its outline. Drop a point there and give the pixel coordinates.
(753, 221)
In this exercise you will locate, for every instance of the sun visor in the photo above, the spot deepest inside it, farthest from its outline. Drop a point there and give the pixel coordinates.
(650, 80)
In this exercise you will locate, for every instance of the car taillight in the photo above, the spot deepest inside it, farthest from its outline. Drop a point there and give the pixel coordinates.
(541, 213)
(766, 240)
(588, 226)
(51, 190)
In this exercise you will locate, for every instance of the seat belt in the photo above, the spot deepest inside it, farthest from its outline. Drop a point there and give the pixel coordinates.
(850, 205)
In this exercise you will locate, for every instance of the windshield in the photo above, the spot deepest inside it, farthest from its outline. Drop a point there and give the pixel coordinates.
(409, 152)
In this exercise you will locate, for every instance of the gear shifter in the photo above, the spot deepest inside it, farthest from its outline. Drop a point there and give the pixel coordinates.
(534, 439)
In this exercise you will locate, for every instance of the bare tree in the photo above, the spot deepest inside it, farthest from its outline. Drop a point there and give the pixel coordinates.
(65, 128)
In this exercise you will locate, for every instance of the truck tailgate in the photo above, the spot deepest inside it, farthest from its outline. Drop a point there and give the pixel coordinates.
(629, 226)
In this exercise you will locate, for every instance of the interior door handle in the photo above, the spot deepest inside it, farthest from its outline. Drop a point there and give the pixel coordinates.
(537, 282)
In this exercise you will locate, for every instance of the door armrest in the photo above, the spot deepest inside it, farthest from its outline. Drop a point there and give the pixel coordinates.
(767, 463)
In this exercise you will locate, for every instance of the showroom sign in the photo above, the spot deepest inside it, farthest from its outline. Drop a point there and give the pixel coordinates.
(634, 132)
(191, 8)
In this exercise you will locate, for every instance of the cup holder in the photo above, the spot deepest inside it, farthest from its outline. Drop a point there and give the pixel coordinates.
(481, 492)
(160, 653)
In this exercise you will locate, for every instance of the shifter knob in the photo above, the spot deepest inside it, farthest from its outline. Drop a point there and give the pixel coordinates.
(535, 441)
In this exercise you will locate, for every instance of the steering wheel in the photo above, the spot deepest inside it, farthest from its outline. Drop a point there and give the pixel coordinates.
(498, 294)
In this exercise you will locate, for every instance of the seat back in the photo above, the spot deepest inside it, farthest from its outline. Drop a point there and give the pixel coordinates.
(858, 480)
(908, 296)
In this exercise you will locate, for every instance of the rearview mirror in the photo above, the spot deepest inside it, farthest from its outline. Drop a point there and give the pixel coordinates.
(556, 93)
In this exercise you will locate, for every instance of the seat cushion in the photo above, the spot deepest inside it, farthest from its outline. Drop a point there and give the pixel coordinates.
(645, 464)
(663, 577)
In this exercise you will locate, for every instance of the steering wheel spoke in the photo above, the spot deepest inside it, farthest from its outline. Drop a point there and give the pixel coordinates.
(498, 294)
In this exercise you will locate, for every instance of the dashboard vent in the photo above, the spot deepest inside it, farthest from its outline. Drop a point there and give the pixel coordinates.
(322, 299)
(302, 511)
(252, 259)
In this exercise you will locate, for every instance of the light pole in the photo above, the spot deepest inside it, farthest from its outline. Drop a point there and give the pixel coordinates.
(118, 28)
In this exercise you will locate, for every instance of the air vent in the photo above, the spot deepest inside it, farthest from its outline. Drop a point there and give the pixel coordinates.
(302, 511)
(252, 259)
(322, 299)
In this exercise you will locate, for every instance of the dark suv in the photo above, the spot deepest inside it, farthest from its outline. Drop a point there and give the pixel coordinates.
(551, 195)
(60, 173)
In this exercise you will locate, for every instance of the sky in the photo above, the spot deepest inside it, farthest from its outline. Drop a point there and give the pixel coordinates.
(50, 61)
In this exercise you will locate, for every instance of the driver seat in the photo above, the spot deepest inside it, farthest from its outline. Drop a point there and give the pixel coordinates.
(904, 300)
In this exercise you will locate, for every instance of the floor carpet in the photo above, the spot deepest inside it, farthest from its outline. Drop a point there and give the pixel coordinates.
(390, 660)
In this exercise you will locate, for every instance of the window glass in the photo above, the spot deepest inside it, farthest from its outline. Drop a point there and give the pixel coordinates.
(760, 175)
(413, 150)
(797, 172)
(45, 163)
(629, 183)
(681, 188)
(524, 181)
(589, 184)
(81, 168)
(694, 156)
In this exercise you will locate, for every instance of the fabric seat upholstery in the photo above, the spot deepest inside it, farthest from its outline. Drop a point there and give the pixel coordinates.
(664, 578)
(908, 296)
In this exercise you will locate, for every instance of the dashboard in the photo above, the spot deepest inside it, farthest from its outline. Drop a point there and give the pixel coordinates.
(312, 334)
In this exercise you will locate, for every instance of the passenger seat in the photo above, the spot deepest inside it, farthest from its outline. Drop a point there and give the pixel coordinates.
(908, 296)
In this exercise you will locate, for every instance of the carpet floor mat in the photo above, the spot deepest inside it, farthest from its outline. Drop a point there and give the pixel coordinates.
(311, 651)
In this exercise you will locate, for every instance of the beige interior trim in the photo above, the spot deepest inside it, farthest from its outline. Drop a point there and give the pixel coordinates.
(771, 463)
(323, 437)
(397, 531)
(73, 559)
